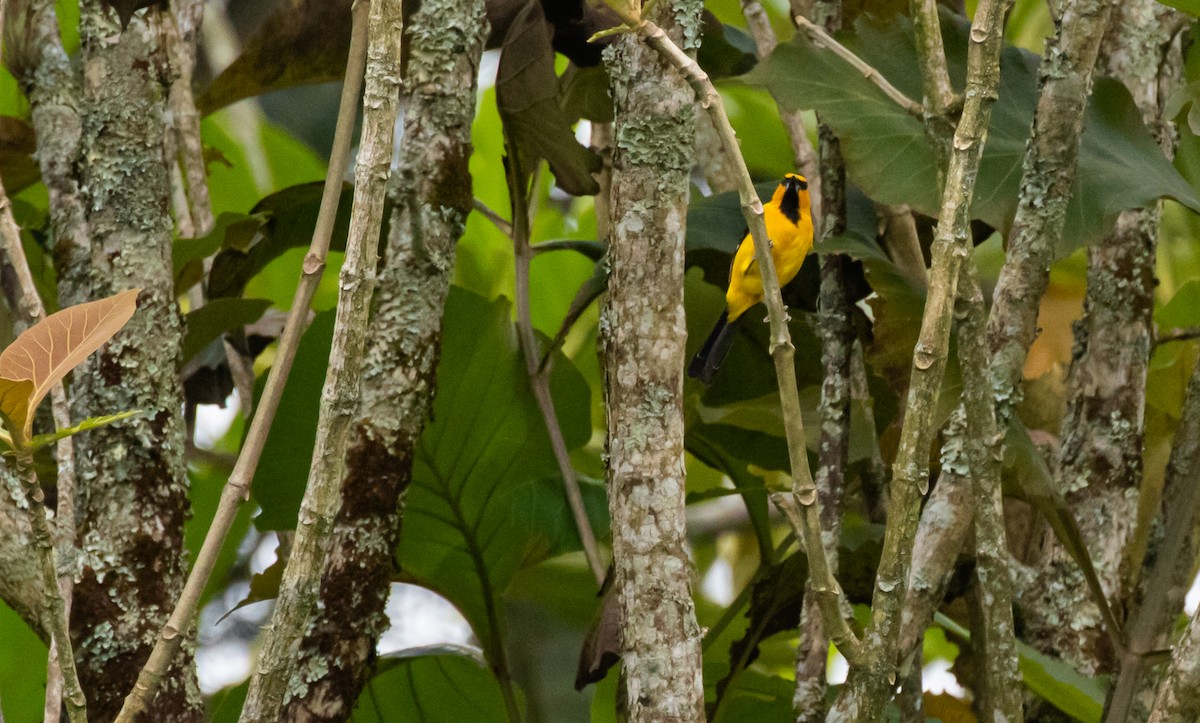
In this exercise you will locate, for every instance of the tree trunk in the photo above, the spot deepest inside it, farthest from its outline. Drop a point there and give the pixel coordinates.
(132, 477)
(643, 333)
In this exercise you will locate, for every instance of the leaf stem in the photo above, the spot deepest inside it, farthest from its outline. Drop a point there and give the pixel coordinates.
(56, 617)
(539, 374)
(237, 488)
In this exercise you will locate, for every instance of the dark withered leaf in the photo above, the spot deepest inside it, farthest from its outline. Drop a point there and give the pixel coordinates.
(126, 8)
(527, 96)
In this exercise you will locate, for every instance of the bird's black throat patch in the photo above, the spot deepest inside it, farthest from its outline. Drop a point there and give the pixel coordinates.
(789, 205)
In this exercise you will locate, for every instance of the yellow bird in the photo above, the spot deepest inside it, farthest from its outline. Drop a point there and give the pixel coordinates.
(788, 217)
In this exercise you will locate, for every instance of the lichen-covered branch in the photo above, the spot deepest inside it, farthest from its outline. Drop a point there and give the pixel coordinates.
(299, 588)
(1178, 696)
(155, 673)
(868, 687)
(1048, 170)
(836, 330)
(999, 685)
(431, 195)
(642, 338)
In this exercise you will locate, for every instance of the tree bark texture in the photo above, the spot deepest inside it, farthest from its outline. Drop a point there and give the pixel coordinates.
(431, 193)
(1100, 460)
(132, 478)
(642, 336)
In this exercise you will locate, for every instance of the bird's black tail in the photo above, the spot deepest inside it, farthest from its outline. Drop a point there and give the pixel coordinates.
(708, 360)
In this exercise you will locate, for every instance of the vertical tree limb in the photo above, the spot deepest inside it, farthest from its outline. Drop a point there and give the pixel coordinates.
(1178, 695)
(299, 589)
(431, 196)
(642, 337)
(1100, 459)
(1048, 171)
(869, 685)
(995, 642)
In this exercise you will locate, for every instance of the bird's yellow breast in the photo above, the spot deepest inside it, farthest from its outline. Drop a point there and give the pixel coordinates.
(790, 243)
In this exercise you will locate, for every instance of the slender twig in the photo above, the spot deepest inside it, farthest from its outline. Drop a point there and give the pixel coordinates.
(56, 615)
(1172, 568)
(539, 374)
(765, 41)
(801, 505)
(824, 39)
(935, 77)
(238, 486)
(300, 586)
(902, 242)
(1166, 336)
(497, 220)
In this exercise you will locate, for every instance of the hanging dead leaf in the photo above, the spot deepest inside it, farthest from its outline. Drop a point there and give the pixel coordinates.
(50, 349)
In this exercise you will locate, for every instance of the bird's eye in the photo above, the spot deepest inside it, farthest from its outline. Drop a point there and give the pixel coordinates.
(803, 184)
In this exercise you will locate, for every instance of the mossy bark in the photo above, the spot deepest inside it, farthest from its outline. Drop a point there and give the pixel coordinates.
(431, 193)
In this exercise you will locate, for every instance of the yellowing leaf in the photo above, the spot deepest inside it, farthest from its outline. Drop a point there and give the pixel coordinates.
(50, 349)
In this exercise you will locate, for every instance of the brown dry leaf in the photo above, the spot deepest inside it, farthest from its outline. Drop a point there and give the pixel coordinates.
(50, 349)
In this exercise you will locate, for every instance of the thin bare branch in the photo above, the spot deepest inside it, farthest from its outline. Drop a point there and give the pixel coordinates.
(824, 39)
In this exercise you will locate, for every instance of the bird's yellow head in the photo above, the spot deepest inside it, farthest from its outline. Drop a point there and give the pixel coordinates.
(792, 197)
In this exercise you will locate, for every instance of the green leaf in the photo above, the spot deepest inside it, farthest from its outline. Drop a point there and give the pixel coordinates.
(290, 216)
(434, 685)
(732, 450)
(462, 535)
(187, 253)
(206, 324)
(1183, 309)
(45, 440)
(543, 516)
(253, 161)
(22, 668)
(583, 93)
(775, 604)
(18, 168)
(1192, 7)
(724, 49)
(283, 468)
(301, 43)
(887, 155)
(526, 94)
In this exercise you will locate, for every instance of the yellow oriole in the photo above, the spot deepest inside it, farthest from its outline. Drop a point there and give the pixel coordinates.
(788, 217)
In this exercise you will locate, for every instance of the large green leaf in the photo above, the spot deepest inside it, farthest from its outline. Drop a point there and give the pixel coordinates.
(22, 668)
(283, 468)
(888, 156)
(246, 163)
(206, 324)
(465, 529)
(435, 685)
(1080, 696)
(301, 43)
(289, 218)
